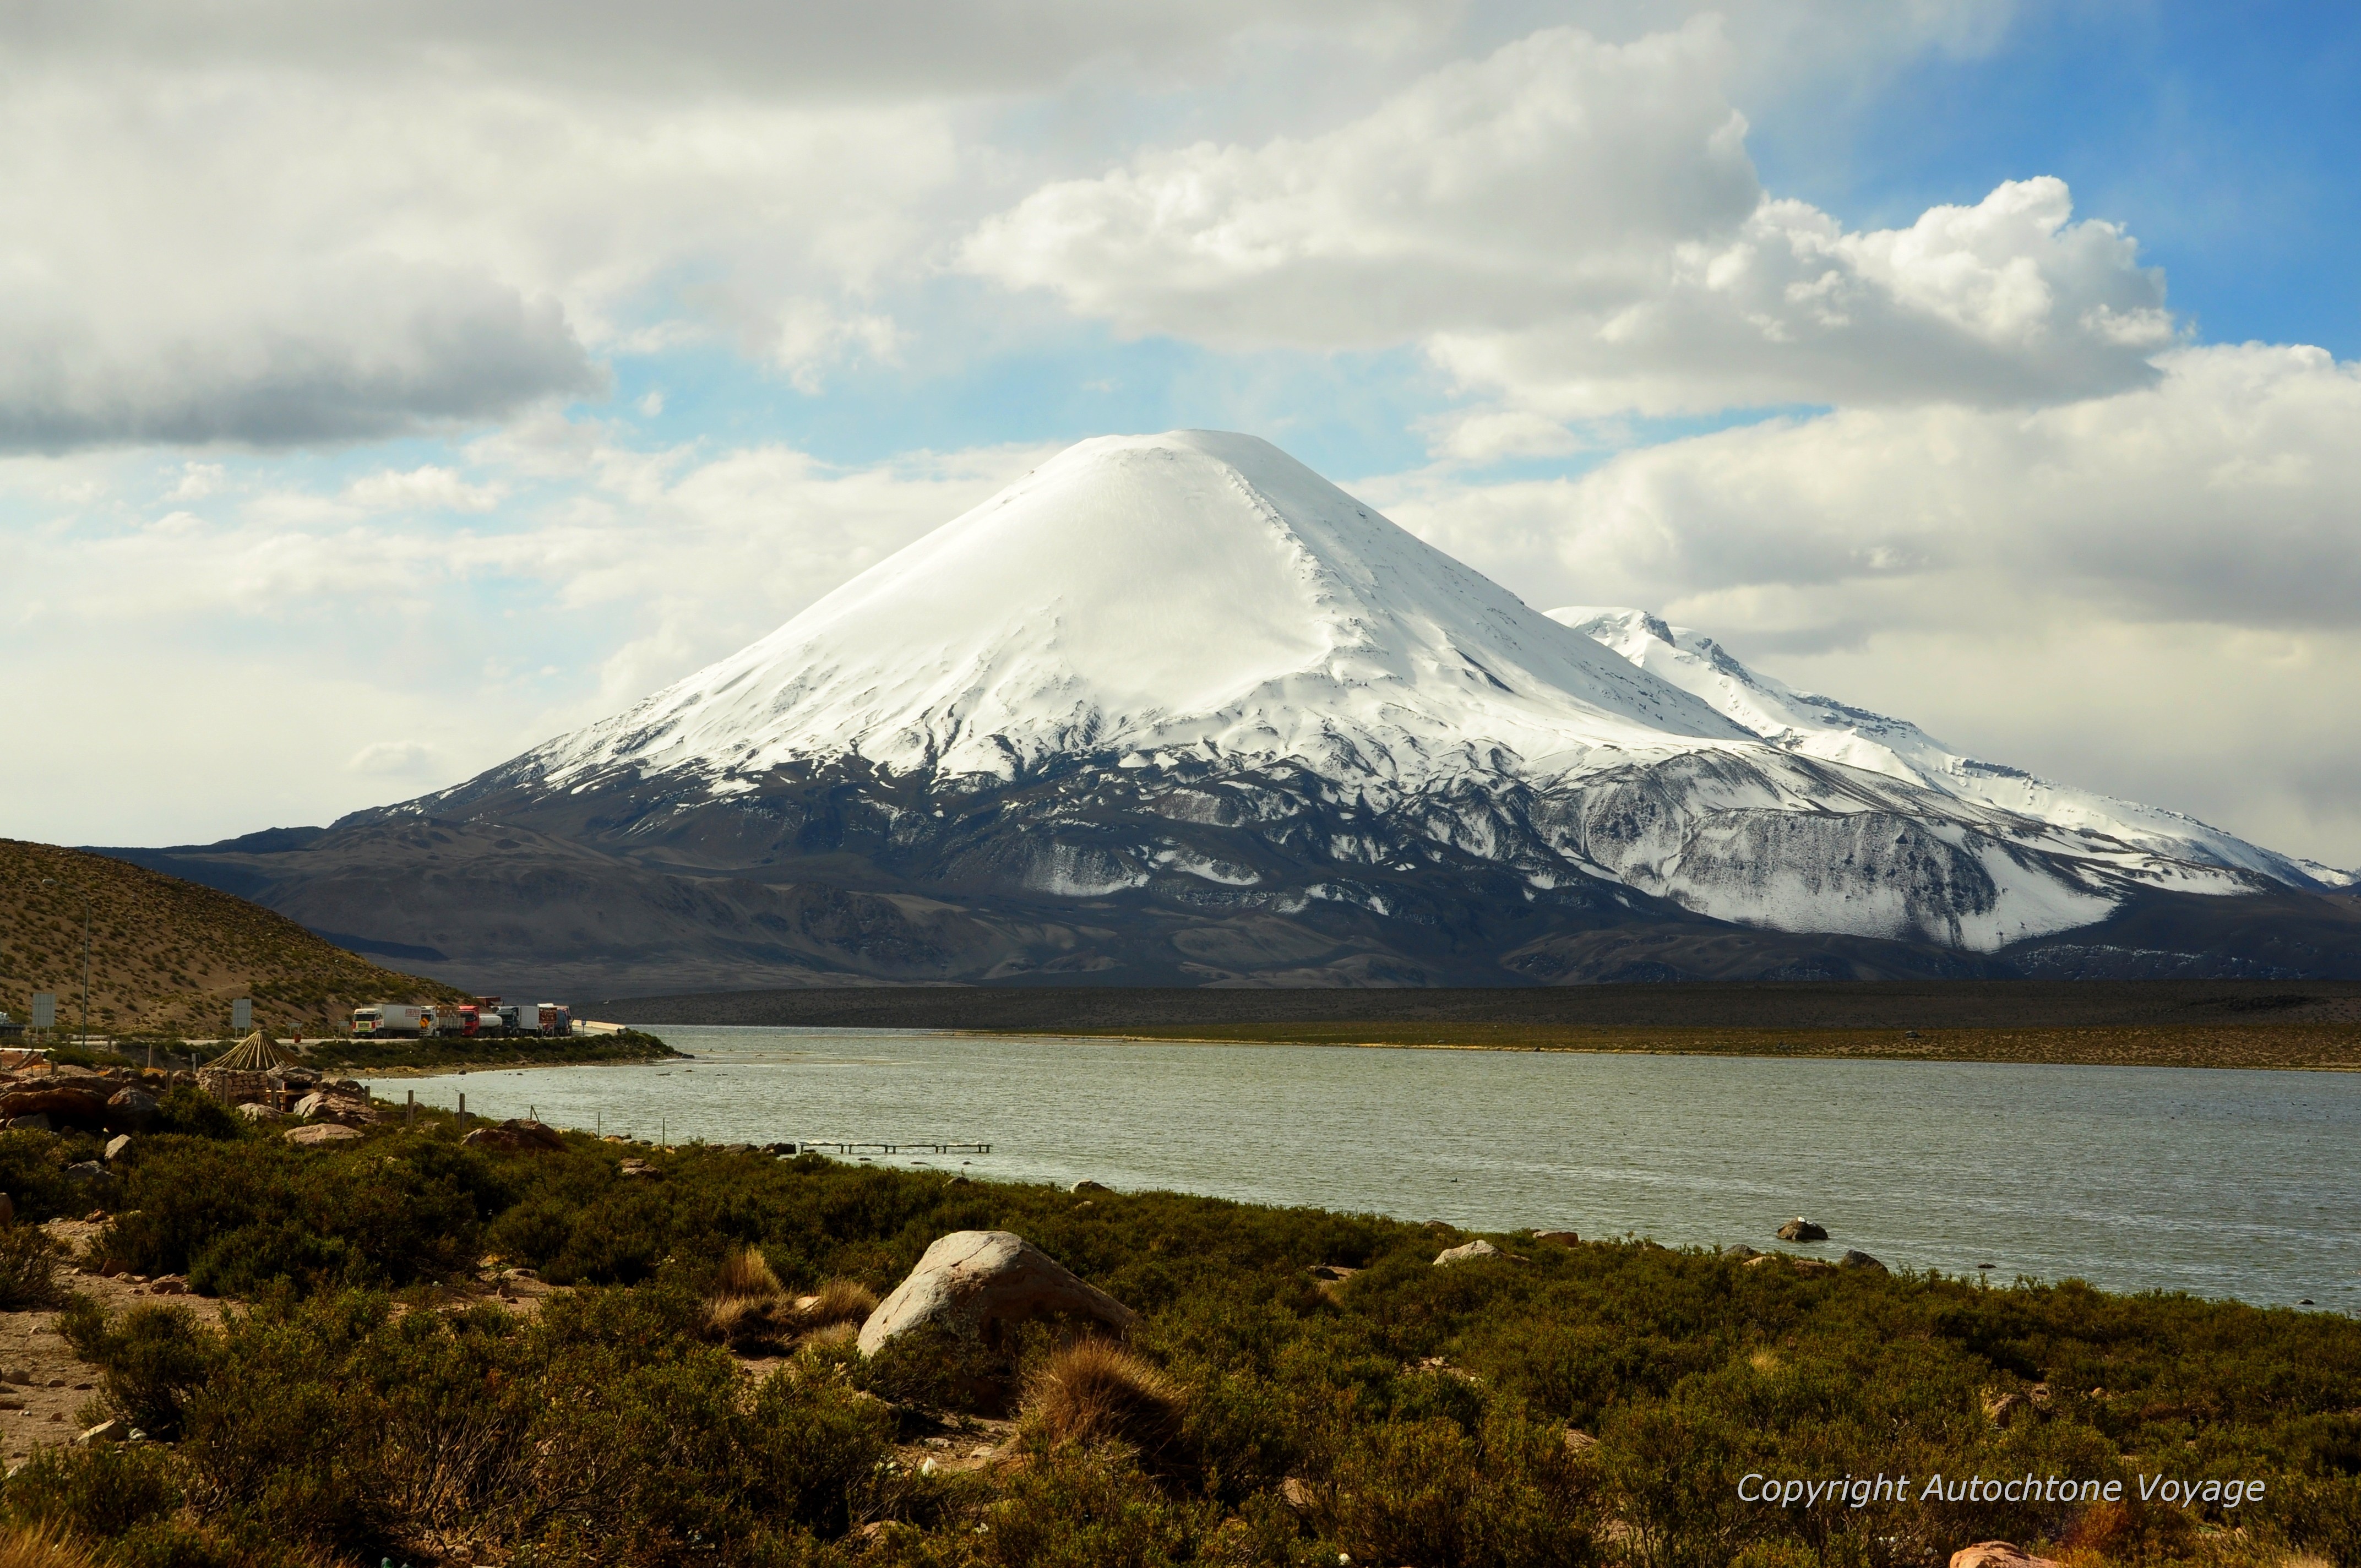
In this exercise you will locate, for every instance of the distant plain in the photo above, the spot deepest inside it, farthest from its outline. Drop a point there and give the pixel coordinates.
(2224, 1024)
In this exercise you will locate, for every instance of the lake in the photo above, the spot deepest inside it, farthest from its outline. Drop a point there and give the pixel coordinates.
(2221, 1183)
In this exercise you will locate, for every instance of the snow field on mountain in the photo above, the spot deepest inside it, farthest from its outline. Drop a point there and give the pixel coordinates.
(1198, 592)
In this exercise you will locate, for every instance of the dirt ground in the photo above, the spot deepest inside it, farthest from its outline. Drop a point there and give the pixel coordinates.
(47, 1385)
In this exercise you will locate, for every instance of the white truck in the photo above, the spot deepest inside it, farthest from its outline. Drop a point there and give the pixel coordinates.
(393, 1018)
(530, 1018)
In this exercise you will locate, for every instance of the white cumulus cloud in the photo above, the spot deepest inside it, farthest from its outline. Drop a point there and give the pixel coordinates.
(426, 489)
(1572, 228)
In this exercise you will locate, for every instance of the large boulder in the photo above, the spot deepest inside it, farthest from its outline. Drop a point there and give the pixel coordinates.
(1471, 1253)
(1997, 1554)
(334, 1106)
(516, 1135)
(978, 1280)
(131, 1109)
(1856, 1259)
(1799, 1229)
(67, 1105)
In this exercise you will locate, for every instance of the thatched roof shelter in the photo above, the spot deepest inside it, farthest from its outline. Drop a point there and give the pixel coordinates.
(243, 1071)
(253, 1054)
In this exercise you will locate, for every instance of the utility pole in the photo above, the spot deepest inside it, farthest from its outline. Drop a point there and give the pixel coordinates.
(52, 882)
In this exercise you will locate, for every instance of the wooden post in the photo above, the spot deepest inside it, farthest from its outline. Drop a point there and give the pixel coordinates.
(462, 1110)
(410, 1110)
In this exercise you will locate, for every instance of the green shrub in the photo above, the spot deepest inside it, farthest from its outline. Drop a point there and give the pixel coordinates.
(1429, 1491)
(940, 1369)
(154, 1358)
(2321, 1514)
(34, 1176)
(1412, 1415)
(1091, 1508)
(28, 1270)
(187, 1112)
(96, 1493)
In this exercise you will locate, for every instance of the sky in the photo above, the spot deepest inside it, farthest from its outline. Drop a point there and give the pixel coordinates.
(386, 389)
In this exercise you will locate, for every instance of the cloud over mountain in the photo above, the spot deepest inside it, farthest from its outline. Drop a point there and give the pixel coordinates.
(1574, 226)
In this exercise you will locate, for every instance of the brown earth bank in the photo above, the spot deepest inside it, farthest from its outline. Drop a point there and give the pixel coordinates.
(2247, 1023)
(166, 957)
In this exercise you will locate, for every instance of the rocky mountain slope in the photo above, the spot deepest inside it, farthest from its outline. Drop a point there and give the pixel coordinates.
(1822, 727)
(1174, 709)
(167, 955)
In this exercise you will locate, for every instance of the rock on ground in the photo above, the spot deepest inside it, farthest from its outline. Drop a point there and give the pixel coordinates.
(1468, 1253)
(516, 1135)
(321, 1133)
(131, 1109)
(1859, 1260)
(65, 1105)
(979, 1279)
(1996, 1554)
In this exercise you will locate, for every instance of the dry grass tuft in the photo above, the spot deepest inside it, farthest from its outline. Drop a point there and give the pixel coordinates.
(747, 1307)
(838, 1302)
(835, 1334)
(745, 1273)
(38, 1546)
(1093, 1391)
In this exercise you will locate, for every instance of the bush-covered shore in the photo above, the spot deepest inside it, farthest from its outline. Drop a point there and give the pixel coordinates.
(391, 1054)
(443, 1053)
(366, 1400)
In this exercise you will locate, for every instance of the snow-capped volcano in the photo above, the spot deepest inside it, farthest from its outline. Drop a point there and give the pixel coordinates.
(1196, 592)
(1187, 671)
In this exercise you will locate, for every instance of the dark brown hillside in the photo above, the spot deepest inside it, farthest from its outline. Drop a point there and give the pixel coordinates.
(166, 955)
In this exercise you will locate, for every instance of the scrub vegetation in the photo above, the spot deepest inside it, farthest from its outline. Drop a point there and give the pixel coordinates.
(688, 1392)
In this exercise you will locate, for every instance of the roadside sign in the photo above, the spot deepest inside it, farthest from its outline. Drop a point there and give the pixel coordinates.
(45, 1010)
(241, 1013)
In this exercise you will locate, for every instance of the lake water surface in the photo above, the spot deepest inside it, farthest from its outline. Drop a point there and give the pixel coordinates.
(2245, 1184)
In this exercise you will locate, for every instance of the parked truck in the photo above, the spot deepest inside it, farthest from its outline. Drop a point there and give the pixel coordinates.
(544, 1018)
(393, 1019)
(485, 1015)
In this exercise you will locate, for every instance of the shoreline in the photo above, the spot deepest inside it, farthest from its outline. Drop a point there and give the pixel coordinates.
(2249, 1048)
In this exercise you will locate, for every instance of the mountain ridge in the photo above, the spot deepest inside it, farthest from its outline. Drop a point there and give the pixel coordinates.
(1174, 709)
